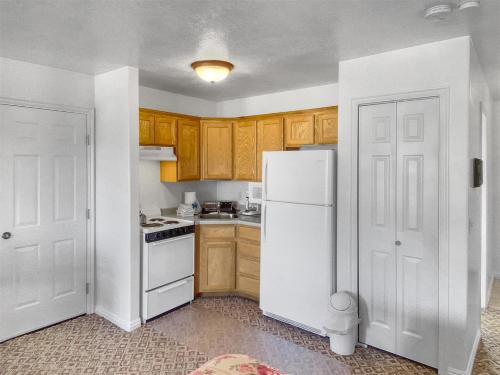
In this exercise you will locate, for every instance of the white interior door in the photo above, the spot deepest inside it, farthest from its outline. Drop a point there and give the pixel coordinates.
(43, 202)
(398, 227)
(417, 225)
(377, 225)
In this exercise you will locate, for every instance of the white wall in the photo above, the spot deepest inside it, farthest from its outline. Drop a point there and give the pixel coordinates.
(21, 80)
(479, 97)
(495, 180)
(170, 102)
(311, 97)
(117, 197)
(441, 65)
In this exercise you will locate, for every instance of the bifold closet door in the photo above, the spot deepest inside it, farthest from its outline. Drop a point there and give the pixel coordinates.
(377, 225)
(398, 227)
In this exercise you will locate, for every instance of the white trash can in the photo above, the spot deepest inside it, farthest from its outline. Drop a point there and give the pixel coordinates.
(342, 322)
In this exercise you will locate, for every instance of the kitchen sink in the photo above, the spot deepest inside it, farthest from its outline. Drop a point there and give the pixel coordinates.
(218, 216)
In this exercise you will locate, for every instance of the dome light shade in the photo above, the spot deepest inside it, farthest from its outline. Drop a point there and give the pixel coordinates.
(212, 70)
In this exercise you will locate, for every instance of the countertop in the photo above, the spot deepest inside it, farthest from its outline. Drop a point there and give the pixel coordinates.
(251, 221)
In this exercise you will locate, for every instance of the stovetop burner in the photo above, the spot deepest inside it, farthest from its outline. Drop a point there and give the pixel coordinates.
(151, 225)
(171, 222)
(157, 219)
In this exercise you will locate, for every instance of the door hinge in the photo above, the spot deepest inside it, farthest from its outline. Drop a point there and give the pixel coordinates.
(88, 213)
(87, 288)
(88, 139)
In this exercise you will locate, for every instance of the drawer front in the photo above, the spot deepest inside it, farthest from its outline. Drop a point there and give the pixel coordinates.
(249, 233)
(249, 267)
(246, 249)
(168, 261)
(248, 285)
(167, 298)
(217, 231)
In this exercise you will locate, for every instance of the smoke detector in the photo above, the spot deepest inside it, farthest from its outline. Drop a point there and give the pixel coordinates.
(438, 12)
(468, 4)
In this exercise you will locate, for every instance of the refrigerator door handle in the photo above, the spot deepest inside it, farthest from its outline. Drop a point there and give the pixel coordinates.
(264, 223)
(264, 195)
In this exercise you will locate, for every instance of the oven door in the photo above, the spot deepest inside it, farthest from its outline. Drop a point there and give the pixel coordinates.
(168, 261)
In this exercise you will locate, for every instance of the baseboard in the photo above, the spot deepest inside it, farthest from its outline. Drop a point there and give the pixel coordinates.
(472, 358)
(128, 326)
(488, 290)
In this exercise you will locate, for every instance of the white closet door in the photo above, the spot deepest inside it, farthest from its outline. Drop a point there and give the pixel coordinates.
(377, 261)
(398, 228)
(43, 168)
(417, 218)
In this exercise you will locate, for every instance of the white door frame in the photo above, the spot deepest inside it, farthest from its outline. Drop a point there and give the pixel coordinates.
(89, 114)
(443, 95)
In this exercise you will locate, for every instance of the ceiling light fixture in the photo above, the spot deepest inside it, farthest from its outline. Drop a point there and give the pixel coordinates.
(212, 70)
(467, 4)
(438, 12)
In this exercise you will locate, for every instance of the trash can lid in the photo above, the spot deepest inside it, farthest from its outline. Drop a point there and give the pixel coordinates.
(341, 301)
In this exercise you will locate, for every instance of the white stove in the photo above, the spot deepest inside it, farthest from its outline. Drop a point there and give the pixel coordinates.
(167, 262)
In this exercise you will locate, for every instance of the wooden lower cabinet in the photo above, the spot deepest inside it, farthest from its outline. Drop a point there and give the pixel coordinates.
(248, 261)
(227, 260)
(217, 258)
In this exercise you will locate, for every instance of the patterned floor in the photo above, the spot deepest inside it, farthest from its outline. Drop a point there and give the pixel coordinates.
(92, 345)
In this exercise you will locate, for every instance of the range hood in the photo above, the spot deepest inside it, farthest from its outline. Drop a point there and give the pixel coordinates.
(156, 153)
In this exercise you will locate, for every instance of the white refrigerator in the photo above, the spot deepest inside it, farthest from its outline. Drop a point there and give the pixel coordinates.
(298, 236)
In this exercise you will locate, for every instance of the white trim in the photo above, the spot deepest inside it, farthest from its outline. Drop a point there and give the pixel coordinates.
(89, 113)
(443, 95)
(128, 326)
(488, 292)
(472, 358)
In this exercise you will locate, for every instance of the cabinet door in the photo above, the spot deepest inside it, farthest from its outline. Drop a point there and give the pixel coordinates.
(269, 138)
(218, 263)
(217, 150)
(165, 130)
(326, 127)
(188, 149)
(146, 128)
(299, 130)
(245, 150)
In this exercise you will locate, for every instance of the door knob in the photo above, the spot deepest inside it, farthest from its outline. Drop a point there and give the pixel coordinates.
(6, 235)
(398, 243)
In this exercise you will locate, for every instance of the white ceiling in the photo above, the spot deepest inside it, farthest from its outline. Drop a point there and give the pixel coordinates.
(274, 45)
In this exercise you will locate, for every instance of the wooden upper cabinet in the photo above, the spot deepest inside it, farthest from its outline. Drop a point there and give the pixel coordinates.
(188, 149)
(269, 138)
(299, 130)
(217, 149)
(326, 127)
(165, 130)
(245, 150)
(146, 128)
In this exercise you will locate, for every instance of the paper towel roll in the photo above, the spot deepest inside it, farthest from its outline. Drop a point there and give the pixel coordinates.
(190, 197)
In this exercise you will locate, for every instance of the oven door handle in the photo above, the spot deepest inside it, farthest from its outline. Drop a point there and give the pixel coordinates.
(172, 286)
(163, 242)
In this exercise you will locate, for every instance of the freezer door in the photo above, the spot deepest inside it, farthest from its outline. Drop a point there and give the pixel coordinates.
(305, 177)
(297, 255)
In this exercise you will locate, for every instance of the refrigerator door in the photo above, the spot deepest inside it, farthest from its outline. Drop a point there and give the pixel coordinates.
(297, 255)
(305, 177)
